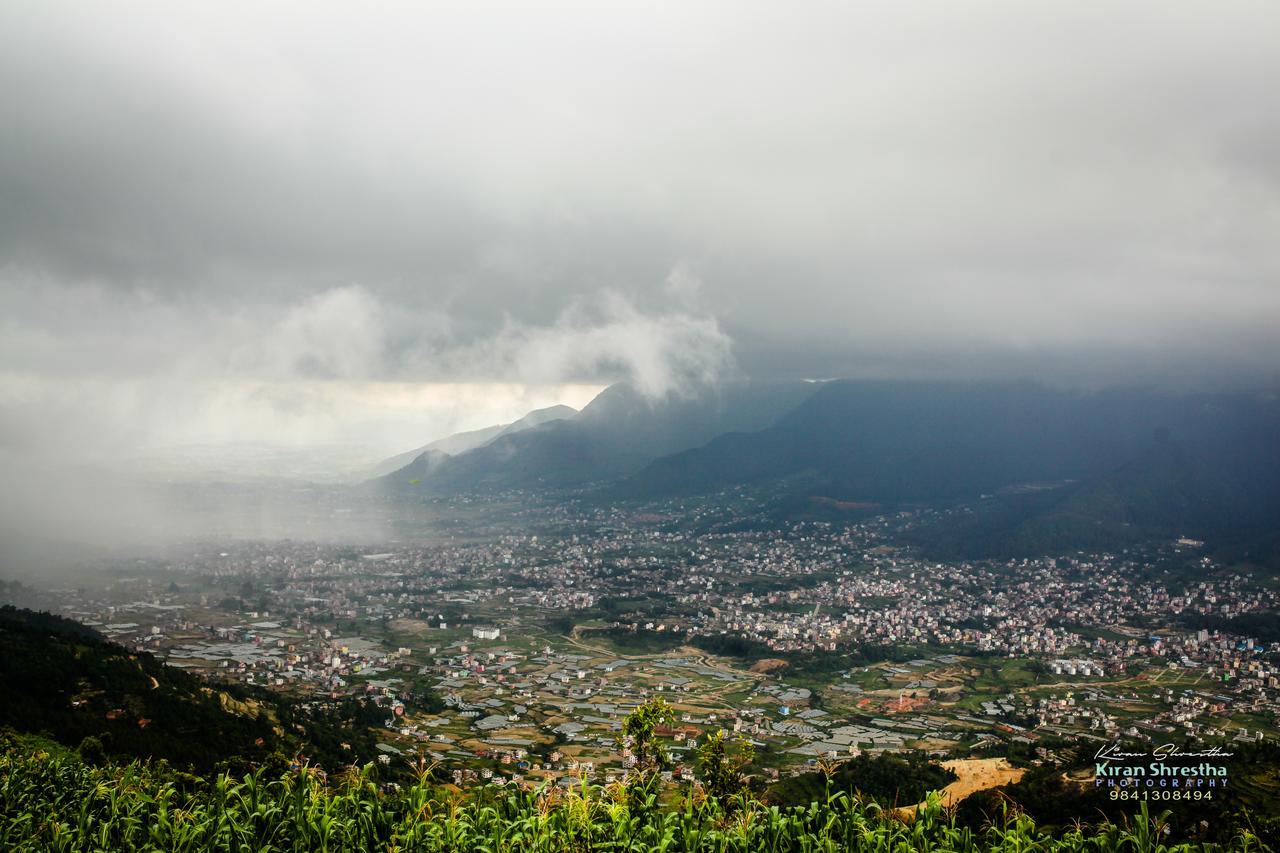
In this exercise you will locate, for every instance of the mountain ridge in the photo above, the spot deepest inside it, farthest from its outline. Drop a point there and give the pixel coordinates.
(616, 434)
(1133, 462)
(1139, 462)
(462, 442)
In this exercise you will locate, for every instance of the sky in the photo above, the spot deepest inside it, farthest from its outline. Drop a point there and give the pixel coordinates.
(343, 230)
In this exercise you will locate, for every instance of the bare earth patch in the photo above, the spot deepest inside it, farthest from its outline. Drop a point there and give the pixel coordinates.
(975, 774)
(409, 626)
(768, 665)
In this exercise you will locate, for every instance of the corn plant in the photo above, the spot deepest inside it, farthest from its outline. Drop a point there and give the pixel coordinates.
(56, 802)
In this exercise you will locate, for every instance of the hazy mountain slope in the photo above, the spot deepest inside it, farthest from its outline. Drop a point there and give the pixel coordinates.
(538, 417)
(1164, 491)
(421, 465)
(904, 440)
(616, 434)
(462, 442)
(1139, 461)
(923, 441)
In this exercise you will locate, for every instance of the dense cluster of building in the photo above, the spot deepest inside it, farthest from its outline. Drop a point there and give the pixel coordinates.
(468, 620)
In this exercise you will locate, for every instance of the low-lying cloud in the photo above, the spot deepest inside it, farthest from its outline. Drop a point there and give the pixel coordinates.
(110, 401)
(337, 372)
(659, 354)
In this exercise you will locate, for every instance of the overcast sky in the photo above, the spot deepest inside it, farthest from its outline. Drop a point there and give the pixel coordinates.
(363, 225)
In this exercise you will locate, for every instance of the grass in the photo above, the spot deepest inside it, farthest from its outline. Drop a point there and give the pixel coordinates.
(871, 679)
(1004, 676)
(624, 642)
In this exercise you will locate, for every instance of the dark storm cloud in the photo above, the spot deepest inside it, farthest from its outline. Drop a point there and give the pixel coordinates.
(209, 211)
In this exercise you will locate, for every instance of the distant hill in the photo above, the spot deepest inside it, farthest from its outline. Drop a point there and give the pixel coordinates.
(1163, 492)
(618, 433)
(1038, 469)
(462, 442)
(1126, 463)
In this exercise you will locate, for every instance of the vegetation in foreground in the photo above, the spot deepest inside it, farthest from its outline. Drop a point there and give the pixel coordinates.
(51, 800)
(889, 779)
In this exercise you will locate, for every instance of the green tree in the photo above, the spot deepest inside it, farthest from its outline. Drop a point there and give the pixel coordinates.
(91, 751)
(641, 730)
(720, 765)
(641, 727)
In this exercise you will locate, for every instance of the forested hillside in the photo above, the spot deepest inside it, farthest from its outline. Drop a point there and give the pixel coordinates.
(68, 682)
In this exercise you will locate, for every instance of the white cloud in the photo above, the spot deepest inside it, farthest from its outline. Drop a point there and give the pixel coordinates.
(338, 371)
(661, 354)
(336, 334)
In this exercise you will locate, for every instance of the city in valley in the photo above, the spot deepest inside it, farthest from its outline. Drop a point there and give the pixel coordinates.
(502, 654)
